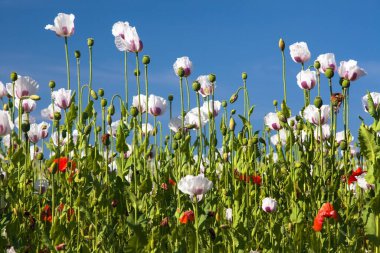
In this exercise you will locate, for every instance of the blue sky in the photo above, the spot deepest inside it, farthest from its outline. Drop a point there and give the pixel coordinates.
(221, 37)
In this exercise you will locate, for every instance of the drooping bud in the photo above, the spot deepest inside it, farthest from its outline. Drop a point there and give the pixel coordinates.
(233, 111)
(51, 84)
(35, 97)
(14, 76)
(111, 110)
(77, 54)
(318, 102)
(196, 86)
(146, 59)
(329, 73)
(93, 94)
(109, 119)
(90, 42)
(57, 116)
(101, 92)
(212, 78)
(281, 44)
(233, 98)
(244, 76)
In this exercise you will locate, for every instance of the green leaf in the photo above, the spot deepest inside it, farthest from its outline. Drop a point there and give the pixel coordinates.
(121, 146)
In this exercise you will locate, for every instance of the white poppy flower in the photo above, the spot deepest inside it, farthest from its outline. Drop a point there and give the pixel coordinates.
(142, 106)
(184, 63)
(269, 205)
(3, 90)
(207, 107)
(48, 113)
(350, 70)
(311, 114)
(126, 37)
(24, 86)
(299, 52)
(327, 61)
(306, 79)
(63, 25)
(375, 97)
(272, 121)
(28, 105)
(229, 214)
(156, 105)
(6, 124)
(62, 98)
(283, 137)
(207, 88)
(192, 118)
(194, 186)
(325, 132)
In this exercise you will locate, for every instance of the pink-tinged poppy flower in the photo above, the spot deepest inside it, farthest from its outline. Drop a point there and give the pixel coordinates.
(326, 133)
(186, 217)
(27, 105)
(376, 100)
(283, 137)
(141, 107)
(195, 186)
(311, 114)
(269, 205)
(6, 124)
(63, 25)
(184, 63)
(126, 37)
(192, 118)
(327, 61)
(306, 79)
(299, 52)
(350, 70)
(207, 107)
(3, 90)
(24, 86)
(48, 113)
(272, 121)
(207, 88)
(62, 98)
(156, 105)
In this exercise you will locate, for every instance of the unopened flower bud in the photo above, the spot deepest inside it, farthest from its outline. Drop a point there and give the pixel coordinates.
(275, 103)
(233, 111)
(244, 76)
(77, 54)
(111, 110)
(103, 102)
(318, 102)
(291, 123)
(223, 130)
(84, 116)
(244, 142)
(317, 64)
(98, 129)
(35, 97)
(64, 133)
(13, 76)
(196, 86)
(101, 92)
(224, 103)
(109, 119)
(233, 98)
(174, 145)
(51, 84)
(170, 97)
(281, 44)
(146, 59)
(177, 136)
(281, 117)
(329, 73)
(137, 72)
(93, 94)
(90, 42)
(57, 116)
(343, 145)
(345, 83)
(212, 78)
(134, 111)
(181, 72)
(106, 139)
(87, 130)
(232, 124)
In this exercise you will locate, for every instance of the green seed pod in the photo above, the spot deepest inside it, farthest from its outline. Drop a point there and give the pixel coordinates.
(77, 54)
(244, 141)
(93, 94)
(90, 42)
(175, 145)
(244, 76)
(177, 136)
(109, 119)
(196, 86)
(224, 103)
(134, 112)
(146, 59)
(51, 84)
(101, 92)
(292, 123)
(212, 78)
(318, 102)
(137, 72)
(281, 44)
(317, 65)
(14, 76)
(329, 73)
(343, 145)
(181, 72)
(25, 127)
(170, 97)
(346, 83)
(281, 117)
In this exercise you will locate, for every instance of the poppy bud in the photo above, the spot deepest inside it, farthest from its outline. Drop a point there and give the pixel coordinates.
(40, 156)
(14, 76)
(170, 97)
(212, 78)
(223, 130)
(64, 133)
(77, 54)
(343, 145)
(35, 97)
(90, 42)
(175, 145)
(103, 102)
(84, 116)
(244, 142)
(134, 112)
(109, 119)
(233, 111)
(224, 103)
(244, 76)
(329, 73)
(318, 102)
(94, 95)
(98, 129)
(137, 72)
(57, 116)
(101, 92)
(25, 127)
(111, 110)
(232, 124)
(196, 86)
(275, 103)
(281, 117)
(291, 123)
(233, 98)
(146, 59)
(281, 44)
(164, 222)
(317, 64)
(51, 84)
(87, 130)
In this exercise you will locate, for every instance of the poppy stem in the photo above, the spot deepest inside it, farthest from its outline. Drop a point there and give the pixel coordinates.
(126, 77)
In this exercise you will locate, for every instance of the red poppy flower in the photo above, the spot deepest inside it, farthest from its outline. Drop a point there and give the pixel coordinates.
(186, 217)
(256, 180)
(64, 163)
(172, 182)
(326, 211)
(46, 214)
(354, 174)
